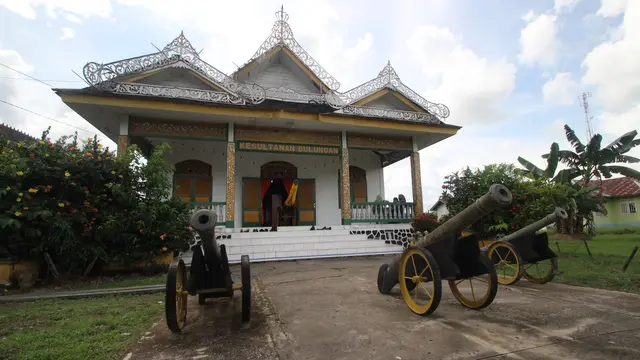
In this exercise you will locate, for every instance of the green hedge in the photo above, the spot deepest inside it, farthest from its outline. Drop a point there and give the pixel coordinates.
(77, 201)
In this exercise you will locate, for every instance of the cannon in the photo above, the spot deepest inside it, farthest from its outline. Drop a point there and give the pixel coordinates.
(209, 274)
(446, 254)
(520, 253)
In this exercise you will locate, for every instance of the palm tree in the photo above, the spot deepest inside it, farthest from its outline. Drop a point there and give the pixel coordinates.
(587, 162)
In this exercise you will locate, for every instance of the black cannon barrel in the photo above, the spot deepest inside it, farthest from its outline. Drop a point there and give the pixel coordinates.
(204, 222)
(558, 214)
(498, 196)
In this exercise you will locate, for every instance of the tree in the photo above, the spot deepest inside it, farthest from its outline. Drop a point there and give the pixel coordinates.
(585, 163)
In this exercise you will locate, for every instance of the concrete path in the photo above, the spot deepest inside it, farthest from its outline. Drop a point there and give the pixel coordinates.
(147, 289)
(331, 309)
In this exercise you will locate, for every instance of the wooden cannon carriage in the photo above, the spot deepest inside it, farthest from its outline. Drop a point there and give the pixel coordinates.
(208, 277)
(446, 254)
(525, 253)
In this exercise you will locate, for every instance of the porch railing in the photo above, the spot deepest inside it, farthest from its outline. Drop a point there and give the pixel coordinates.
(381, 212)
(218, 207)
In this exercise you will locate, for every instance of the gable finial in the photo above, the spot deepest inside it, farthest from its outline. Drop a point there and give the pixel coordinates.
(388, 72)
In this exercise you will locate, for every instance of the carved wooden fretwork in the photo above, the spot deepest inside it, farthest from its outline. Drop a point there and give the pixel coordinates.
(287, 136)
(147, 127)
(193, 167)
(379, 142)
(278, 170)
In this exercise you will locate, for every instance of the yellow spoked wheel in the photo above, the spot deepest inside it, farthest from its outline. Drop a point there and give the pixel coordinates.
(419, 279)
(541, 272)
(176, 296)
(506, 261)
(479, 291)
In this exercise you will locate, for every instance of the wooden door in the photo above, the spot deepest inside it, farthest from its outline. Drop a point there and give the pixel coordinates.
(359, 191)
(202, 190)
(306, 201)
(251, 202)
(183, 188)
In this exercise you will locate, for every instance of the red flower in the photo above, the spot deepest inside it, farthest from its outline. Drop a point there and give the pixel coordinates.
(95, 210)
(25, 208)
(32, 156)
(74, 211)
(444, 186)
(513, 227)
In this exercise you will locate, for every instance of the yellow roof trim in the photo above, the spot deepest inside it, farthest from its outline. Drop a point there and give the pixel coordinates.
(259, 113)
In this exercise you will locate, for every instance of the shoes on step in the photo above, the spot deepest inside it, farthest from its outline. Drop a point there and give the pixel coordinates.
(313, 228)
(254, 230)
(274, 229)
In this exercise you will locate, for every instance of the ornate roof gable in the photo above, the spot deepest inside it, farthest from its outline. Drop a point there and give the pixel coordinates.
(113, 76)
(389, 79)
(282, 36)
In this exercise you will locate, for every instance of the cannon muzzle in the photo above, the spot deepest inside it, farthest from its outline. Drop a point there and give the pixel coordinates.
(498, 196)
(558, 214)
(204, 222)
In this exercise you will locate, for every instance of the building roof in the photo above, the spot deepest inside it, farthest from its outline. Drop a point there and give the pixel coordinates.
(437, 204)
(124, 78)
(12, 134)
(619, 187)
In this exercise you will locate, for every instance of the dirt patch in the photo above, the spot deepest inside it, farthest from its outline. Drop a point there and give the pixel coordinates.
(213, 331)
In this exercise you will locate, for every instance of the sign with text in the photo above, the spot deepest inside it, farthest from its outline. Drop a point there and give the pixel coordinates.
(288, 148)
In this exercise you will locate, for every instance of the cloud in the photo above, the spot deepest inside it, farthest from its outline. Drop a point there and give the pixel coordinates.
(27, 8)
(610, 68)
(67, 33)
(561, 90)
(73, 18)
(560, 6)
(36, 97)
(539, 40)
(472, 86)
(454, 154)
(609, 8)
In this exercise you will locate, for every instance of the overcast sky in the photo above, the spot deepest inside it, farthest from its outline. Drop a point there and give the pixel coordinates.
(510, 71)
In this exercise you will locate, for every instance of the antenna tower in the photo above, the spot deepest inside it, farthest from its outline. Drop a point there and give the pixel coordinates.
(585, 105)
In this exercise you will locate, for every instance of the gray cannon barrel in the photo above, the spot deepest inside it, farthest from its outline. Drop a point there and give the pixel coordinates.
(204, 222)
(557, 214)
(498, 196)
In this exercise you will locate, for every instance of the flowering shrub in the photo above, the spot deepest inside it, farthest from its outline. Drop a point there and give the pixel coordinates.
(425, 222)
(78, 201)
(532, 199)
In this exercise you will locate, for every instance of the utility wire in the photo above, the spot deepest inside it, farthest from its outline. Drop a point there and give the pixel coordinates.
(35, 113)
(58, 81)
(46, 117)
(21, 73)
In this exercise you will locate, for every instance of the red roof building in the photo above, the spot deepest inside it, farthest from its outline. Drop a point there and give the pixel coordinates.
(619, 187)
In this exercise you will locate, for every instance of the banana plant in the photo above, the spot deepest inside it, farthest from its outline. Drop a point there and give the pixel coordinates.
(553, 157)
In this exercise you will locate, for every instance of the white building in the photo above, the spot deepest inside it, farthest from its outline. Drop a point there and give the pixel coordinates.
(240, 141)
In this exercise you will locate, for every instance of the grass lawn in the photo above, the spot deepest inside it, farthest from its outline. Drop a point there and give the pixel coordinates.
(96, 328)
(604, 269)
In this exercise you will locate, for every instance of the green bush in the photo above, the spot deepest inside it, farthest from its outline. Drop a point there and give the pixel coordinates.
(532, 199)
(79, 202)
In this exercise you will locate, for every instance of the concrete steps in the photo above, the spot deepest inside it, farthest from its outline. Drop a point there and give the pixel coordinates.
(300, 243)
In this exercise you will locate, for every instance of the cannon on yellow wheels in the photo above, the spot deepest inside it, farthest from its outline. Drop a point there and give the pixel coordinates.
(526, 253)
(445, 254)
(209, 276)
